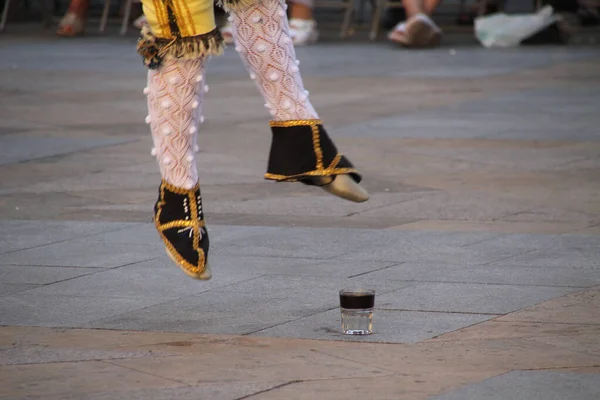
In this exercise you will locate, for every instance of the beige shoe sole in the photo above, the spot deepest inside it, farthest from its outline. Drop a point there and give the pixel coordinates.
(345, 187)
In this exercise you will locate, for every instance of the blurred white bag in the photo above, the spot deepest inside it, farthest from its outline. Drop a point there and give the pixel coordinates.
(501, 30)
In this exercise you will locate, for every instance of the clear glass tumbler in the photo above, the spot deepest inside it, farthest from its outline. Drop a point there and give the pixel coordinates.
(357, 311)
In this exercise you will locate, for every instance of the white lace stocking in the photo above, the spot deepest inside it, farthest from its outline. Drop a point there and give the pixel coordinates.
(262, 38)
(175, 93)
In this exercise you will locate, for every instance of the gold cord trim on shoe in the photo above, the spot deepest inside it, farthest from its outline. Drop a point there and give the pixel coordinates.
(335, 161)
(317, 146)
(181, 223)
(295, 122)
(194, 214)
(177, 190)
(323, 172)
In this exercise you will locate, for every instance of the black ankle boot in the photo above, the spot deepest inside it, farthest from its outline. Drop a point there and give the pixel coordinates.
(179, 220)
(302, 151)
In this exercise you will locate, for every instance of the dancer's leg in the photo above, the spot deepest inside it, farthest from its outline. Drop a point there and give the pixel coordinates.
(301, 149)
(262, 38)
(174, 103)
(174, 47)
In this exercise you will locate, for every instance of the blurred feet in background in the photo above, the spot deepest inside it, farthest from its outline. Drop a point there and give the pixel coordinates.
(418, 30)
(73, 22)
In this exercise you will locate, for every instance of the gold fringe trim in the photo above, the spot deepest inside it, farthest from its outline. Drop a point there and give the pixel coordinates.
(154, 50)
(236, 5)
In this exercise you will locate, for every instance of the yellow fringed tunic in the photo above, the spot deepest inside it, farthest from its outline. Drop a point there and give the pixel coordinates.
(184, 29)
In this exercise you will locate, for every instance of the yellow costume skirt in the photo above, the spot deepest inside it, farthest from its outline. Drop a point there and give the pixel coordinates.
(182, 29)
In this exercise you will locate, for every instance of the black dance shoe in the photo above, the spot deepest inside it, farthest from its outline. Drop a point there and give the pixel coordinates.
(180, 223)
(302, 151)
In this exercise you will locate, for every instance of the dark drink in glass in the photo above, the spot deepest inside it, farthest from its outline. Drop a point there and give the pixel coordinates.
(357, 311)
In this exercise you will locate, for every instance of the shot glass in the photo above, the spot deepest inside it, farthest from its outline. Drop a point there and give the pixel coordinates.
(357, 311)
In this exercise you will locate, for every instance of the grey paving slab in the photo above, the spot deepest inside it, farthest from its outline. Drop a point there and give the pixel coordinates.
(526, 158)
(21, 147)
(500, 274)
(215, 313)
(269, 241)
(557, 258)
(62, 311)
(541, 242)
(320, 268)
(468, 297)
(224, 265)
(27, 274)
(470, 124)
(388, 326)
(145, 235)
(453, 206)
(430, 252)
(82, 253)
(103, 181)
(23, 234)
(6, 288)
(530, 385)
(331, 242)
(316, 288)
(424, 127)
(91, 52)
(564, 115)
(253, 304)
(157, 280)
(320, 204)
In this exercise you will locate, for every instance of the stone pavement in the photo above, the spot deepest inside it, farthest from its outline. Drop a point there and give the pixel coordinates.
(482, 237)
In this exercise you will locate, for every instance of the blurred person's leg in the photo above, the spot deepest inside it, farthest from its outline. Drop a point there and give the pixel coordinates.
(73, 22)
(303, 26)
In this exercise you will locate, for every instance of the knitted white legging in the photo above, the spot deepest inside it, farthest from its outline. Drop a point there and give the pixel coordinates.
(175, 90)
